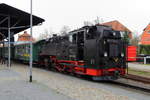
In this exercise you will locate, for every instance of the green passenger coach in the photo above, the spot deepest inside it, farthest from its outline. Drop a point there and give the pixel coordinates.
(22, 51)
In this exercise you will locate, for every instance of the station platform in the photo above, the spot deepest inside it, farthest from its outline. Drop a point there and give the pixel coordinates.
(14, 87)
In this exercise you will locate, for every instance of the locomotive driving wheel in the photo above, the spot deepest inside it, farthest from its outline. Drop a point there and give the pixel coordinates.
(47, 63)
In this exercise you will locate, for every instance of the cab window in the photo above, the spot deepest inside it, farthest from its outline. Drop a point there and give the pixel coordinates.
(91, 34)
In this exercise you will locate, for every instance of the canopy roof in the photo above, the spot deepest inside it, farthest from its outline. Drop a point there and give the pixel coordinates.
(19, 20)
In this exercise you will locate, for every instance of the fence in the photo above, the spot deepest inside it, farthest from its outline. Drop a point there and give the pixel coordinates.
(144, 58)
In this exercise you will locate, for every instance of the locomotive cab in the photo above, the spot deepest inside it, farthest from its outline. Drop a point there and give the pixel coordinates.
(104, 51)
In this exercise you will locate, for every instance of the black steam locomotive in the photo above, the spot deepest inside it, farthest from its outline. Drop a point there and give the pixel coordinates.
(95, 51)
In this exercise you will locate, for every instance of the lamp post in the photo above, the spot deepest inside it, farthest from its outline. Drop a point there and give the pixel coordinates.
(31, 45)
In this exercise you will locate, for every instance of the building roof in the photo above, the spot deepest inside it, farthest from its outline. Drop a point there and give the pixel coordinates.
(145, 37)
(116, 25)
(25, 37)
(18, 18)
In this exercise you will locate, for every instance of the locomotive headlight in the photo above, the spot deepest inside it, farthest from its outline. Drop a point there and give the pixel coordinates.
(105, 54)
(114, 34)
(122, 54)
(104, 42)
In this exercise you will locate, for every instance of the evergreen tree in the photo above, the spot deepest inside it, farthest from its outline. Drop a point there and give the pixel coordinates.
(126, 37)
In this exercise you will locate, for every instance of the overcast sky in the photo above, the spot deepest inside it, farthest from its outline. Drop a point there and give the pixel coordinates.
(134, 14)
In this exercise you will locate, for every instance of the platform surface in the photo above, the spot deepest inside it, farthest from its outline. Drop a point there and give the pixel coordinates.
(14, 87)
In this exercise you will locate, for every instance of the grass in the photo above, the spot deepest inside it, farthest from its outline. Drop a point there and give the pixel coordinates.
(146, 64)
(138, 72)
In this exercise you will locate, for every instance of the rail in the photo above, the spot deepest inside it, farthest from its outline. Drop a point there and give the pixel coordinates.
(137, 78)
(137, 82)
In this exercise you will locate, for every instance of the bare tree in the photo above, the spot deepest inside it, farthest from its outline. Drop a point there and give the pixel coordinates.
(65, 29)
(101, 20)
(51, 32)
(46, 34)
(135, 38)
(40, 37)
(97, 21)
(87, 23)
(94, 22)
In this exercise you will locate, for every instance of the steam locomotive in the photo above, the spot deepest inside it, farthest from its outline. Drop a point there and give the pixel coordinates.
(94, 51)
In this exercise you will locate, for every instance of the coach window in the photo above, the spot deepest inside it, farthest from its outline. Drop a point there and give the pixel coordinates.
(16, 50)
(28, 49)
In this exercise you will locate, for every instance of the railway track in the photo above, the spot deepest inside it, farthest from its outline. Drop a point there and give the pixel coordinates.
(137, 78)
(134, 82)
(131, 86)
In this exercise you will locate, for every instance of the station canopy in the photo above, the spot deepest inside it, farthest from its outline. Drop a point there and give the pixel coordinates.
(18, 19)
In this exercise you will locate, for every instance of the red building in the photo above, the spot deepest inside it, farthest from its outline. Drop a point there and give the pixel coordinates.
(145, 37)
(116, 25)
(25, 37)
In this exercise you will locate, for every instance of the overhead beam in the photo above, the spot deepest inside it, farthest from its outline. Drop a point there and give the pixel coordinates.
(16, 23)
(4, 28)
(5, 15)
(20, 27)
(2, 35)
(4, 20)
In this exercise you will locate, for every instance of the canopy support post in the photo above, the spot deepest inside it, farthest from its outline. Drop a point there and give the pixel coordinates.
(9, 53)
(31, 45)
